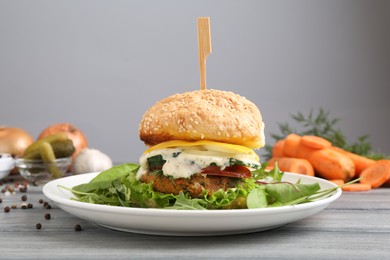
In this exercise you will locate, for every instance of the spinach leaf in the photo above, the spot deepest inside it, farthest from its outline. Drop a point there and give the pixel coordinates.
(104, 179)
(155, 162)
(234, 161)
(285, 192)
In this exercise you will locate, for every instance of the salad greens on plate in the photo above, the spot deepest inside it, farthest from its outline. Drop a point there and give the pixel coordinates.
(118, 186)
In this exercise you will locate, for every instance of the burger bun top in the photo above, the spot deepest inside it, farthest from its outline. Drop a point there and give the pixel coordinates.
(209, 114)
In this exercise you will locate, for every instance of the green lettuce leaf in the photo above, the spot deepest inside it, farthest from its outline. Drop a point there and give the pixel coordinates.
(257, 198)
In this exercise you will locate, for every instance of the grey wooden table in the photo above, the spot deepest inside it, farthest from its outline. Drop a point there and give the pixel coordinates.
(357, 226)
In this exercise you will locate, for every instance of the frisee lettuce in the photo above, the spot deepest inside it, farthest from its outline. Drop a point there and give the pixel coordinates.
(118, 186)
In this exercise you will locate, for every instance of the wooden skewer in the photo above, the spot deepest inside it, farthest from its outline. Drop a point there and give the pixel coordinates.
(204, 47)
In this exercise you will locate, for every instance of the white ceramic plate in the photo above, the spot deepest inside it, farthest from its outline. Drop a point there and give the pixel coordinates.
(185, 222)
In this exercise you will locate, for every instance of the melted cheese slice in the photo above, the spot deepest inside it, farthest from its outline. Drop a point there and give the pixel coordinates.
(207, 145)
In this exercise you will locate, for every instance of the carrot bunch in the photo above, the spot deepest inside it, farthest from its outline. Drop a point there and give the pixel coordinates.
(313, 155)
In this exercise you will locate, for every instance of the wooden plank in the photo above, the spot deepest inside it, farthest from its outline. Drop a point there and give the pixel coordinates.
(356, 226)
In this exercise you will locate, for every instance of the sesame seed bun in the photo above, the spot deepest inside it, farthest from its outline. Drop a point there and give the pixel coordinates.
(204, 115)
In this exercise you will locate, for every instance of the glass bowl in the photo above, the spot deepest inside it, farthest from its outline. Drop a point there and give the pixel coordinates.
(7, 163)
(38, 171)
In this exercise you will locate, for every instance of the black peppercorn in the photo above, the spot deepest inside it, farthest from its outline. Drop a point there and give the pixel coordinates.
(38, 226)
(47, 216)
(7, 209)
(29, 205)
(40, 201)
(24, 198)
(77, 227)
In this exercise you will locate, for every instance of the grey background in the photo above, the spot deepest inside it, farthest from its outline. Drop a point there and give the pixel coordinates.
(100, 64)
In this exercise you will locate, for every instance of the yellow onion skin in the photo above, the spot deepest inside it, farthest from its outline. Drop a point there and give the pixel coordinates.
(14, 140)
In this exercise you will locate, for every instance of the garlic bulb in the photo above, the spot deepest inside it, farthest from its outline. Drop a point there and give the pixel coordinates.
(91, 160)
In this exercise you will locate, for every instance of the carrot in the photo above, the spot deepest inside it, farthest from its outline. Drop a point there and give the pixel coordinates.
(294, 165)
(338, 181)
(293, 147)
(277, 149)
(326, 162)
(360, 162)
(387, 183)
(331, 164)
(377, 174)
(291, 143)
(315, 142)
(356, 187)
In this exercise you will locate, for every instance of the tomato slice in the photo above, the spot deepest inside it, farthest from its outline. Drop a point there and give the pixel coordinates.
(234, 171)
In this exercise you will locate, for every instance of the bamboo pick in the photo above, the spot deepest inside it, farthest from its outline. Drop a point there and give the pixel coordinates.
(204, 47)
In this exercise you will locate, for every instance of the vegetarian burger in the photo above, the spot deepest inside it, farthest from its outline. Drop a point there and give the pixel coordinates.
(200, 145)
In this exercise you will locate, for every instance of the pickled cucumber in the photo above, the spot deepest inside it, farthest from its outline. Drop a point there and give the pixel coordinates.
(60, 149)
(63, 149)
(49, 158)
(33, 151)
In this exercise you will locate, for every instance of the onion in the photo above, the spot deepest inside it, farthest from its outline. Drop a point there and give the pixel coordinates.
(78, 138)
(14, 140)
